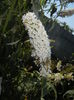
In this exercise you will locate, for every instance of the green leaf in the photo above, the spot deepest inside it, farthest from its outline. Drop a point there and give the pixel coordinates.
(69, 94)
(13, 43)
(47, 87)
(9, 16)
(42, 2)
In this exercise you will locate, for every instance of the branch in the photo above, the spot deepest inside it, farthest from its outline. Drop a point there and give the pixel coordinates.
(71, 1)
(64, 13)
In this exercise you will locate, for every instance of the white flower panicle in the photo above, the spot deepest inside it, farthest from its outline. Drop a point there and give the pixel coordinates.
(64, 13)
(38, 38)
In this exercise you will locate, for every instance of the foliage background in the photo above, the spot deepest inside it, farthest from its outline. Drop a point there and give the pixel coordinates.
(19, 79)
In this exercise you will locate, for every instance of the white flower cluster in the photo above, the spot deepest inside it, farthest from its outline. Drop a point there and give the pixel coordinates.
(38, 38)
(58, 77)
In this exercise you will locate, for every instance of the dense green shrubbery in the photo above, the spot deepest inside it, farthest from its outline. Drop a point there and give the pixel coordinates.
(15, 57)
(14, 52)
